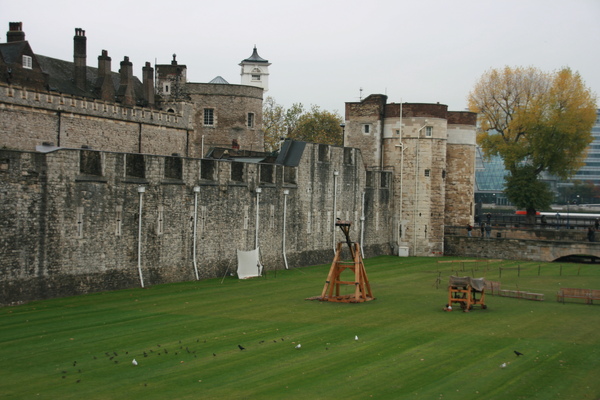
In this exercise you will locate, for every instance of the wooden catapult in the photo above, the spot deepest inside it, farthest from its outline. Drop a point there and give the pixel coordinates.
(362, 288)
(464, 291)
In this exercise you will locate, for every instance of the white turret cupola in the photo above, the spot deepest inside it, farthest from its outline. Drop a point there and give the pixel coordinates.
(255, 71)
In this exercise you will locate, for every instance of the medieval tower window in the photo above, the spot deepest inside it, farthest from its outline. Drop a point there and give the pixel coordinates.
(429, 131)
(250, 120)
(160, 227)
(209, 117)
(427, 172)
(79, 222)
(27, 62)
(119, 220)
(366, 128)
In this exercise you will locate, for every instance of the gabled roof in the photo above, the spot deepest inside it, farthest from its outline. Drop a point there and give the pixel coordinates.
(255, 58)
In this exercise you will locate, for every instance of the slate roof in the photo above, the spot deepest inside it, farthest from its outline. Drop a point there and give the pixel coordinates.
(11, 52)
(255, 58)
(60, 78)
(219, 80)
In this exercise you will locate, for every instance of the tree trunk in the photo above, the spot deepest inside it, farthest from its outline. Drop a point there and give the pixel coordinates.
(530, 217)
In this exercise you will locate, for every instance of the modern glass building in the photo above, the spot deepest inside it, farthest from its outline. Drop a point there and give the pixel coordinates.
(590, 172)
(489, 174)
(489, 179)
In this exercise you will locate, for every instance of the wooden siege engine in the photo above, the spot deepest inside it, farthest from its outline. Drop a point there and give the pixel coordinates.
(362, 288)
(465, 291)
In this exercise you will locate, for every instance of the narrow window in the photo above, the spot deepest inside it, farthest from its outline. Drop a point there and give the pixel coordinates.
(166, 88)
(119, 220)
(429, 131)
(366, 128)
(160, 223)
(27, 62)
(427, 172)
(209, 117)
(203, 215)
(250, 120)
(246, 218)
(79, 222)
(272, 215)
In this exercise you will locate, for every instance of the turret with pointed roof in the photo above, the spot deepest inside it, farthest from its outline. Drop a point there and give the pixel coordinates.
(255, 71)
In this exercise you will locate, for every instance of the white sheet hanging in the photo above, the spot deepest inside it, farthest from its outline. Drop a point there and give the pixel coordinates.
(248, 264)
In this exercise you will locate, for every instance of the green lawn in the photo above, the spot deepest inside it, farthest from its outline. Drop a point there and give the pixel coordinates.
(185, 338)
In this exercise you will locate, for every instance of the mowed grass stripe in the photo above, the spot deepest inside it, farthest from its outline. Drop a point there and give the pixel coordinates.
(407, 347)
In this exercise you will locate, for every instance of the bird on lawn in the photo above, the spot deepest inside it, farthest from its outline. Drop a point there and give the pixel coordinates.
(517, 353)
(134, 362)
(356, 337)
(298, 346)
(503, 365)
(241, 348)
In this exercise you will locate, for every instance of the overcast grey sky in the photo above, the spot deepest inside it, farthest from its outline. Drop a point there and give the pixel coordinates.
(324, 51)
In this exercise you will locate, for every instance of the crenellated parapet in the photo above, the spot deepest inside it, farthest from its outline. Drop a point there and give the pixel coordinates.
(11, 96)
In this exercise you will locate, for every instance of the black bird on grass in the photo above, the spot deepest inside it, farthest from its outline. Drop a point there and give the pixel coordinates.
(517, 353)
(241, 348)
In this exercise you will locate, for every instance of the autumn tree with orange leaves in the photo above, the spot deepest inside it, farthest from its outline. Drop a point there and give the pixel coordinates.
(535, 121)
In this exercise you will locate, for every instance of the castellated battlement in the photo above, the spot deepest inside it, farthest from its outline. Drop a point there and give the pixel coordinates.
(20, 96)
(37, 117)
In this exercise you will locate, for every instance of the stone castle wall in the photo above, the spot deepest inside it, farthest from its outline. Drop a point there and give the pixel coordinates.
(70, 218)
(30, 118)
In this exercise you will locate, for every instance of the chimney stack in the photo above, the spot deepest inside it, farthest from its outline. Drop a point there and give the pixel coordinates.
(80, 58)
(104, 83)
(15, 32)
(148, 82)
(126, 94)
